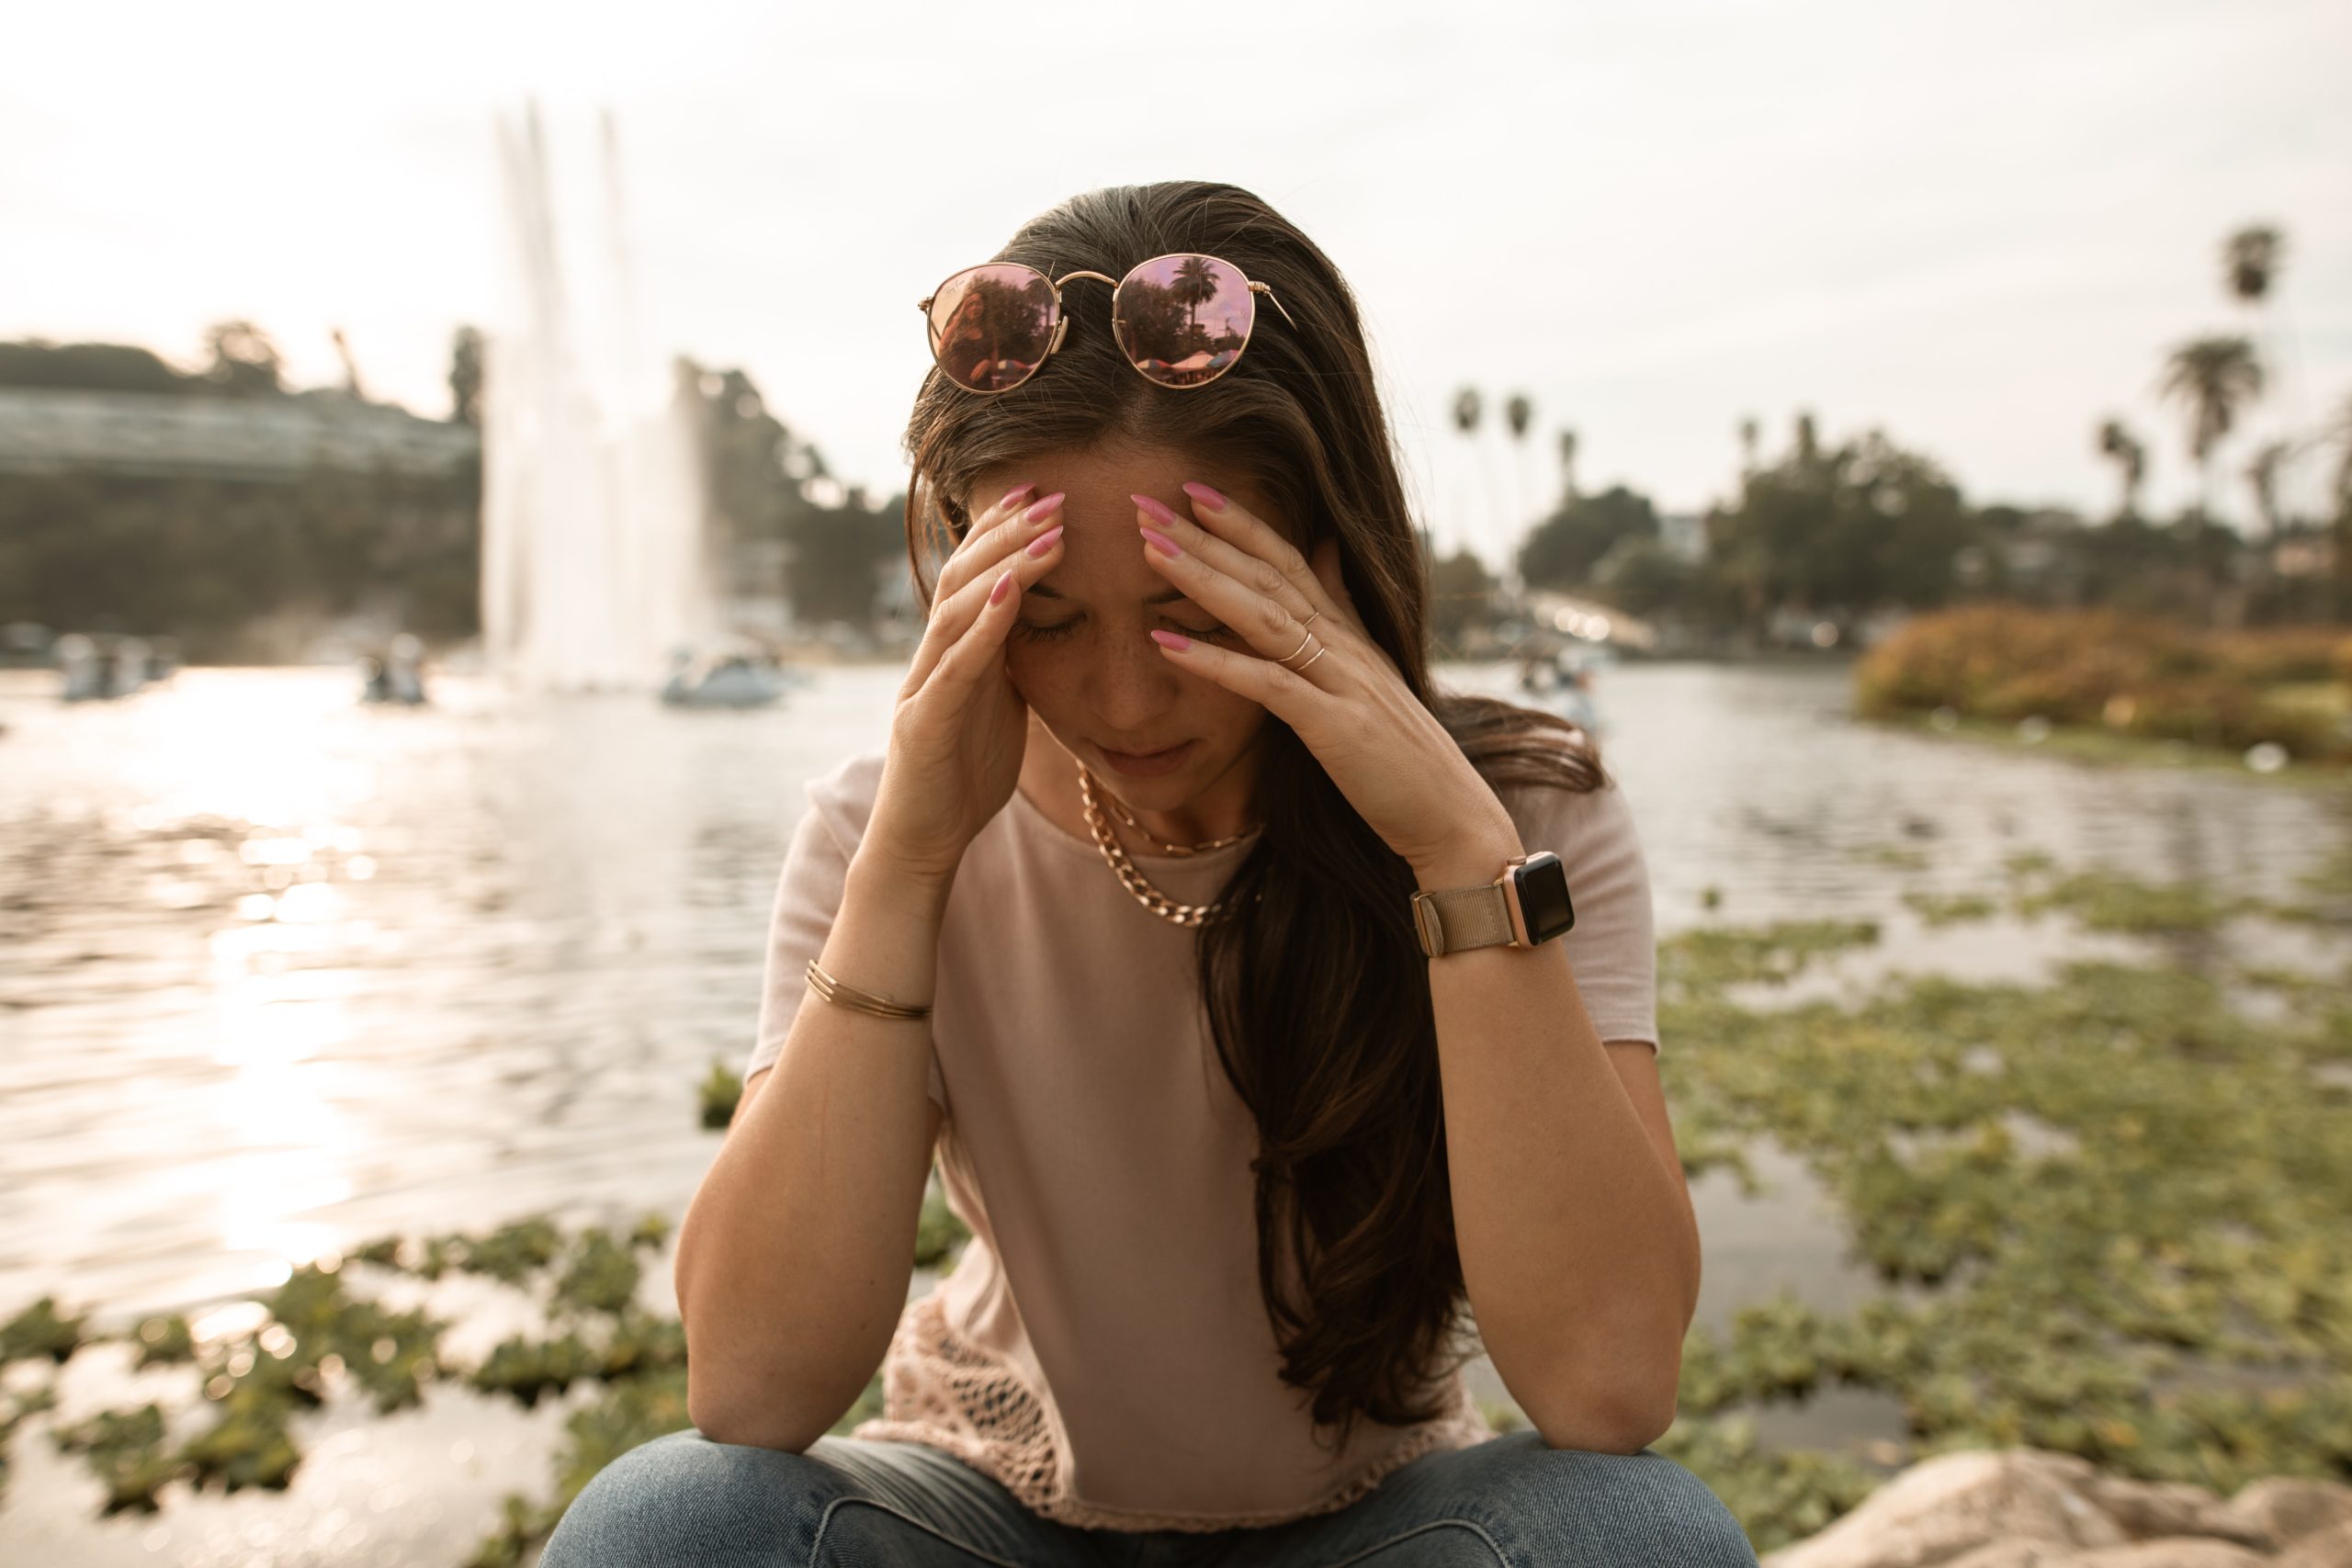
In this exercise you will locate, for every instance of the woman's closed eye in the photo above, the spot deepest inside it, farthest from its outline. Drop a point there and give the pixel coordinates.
(1063, 628)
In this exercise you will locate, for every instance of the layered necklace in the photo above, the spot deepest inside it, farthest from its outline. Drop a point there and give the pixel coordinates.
(1130, 876)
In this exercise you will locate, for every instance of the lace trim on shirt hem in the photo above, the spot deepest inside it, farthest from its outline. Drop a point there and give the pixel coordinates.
(942, 1389)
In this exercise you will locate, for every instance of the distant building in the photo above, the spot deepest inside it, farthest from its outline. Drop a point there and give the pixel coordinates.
(1683, 534)
(47, 431)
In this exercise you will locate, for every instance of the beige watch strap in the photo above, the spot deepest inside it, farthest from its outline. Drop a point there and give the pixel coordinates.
(1462, 916)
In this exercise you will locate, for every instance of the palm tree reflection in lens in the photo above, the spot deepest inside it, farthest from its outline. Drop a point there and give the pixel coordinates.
(1160, 308)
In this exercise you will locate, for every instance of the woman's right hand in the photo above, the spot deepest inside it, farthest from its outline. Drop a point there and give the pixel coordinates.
(959, 733)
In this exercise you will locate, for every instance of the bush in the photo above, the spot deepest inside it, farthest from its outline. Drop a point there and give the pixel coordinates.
(2130, 675)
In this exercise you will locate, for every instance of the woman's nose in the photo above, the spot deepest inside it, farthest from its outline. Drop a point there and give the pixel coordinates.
(1130, 683)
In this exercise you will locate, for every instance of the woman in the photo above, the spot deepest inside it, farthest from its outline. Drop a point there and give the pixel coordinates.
(1243, 1128)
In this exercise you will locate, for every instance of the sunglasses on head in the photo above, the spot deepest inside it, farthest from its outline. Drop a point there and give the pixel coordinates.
(1181, 319)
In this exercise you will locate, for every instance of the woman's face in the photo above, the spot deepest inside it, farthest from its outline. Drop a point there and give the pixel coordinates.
(1079, 652)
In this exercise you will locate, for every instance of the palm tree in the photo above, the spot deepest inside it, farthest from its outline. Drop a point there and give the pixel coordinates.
(2262, 477)
(2130, 461)
(2250, 262)
(1468, 409)
(2215, 376)
(1195, 284)
(1518, 409)
(1567, 467)
(1519, 413)
(1751, 433)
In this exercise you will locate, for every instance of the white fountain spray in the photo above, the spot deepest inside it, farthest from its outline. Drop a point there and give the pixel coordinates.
(595, 564)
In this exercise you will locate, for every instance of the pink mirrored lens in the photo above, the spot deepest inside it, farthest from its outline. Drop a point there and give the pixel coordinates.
(990, 325)
(1182, 320)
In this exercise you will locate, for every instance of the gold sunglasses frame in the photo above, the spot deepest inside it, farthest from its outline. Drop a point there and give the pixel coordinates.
(1061, 318)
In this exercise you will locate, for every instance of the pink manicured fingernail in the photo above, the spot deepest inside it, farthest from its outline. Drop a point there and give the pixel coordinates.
(1043, 507)
(1161, 541)
(1205, 495)
(1044, 541)
(1003, 586)
(1171, 639)
(1012, 496)
(1158, 510)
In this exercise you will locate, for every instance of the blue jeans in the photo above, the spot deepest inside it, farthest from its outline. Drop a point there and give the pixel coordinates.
(1509, 1502)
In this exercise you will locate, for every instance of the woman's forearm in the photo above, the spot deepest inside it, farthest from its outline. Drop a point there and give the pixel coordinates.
(794, 1255)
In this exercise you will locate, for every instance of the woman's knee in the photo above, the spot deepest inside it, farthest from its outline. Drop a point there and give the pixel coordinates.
(683, 1499)
(1645, 1506)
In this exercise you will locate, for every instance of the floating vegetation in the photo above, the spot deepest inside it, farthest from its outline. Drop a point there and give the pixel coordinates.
(1778, 1495)
(2104, 900)
(125, 1448)
(1712, 957)
(40, 1330)
(939, 1234)
(1950, 908)
(2154, 1280)
(721, 1091)
(164, 1341)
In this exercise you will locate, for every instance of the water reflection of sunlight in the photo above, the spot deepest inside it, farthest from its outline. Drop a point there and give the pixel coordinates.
(290, 1140)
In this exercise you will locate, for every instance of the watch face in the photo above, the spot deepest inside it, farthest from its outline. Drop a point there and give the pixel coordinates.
(1542, 885)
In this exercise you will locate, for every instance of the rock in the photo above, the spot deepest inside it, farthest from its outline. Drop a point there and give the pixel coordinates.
(2156, 1508)
(2280, 1510)
(2329, 1548)
(1956, 1502)
(2029, 1509)
(2014, 1554)
(2176, 1552)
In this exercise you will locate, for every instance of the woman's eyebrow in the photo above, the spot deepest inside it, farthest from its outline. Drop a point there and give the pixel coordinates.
(1046, 590)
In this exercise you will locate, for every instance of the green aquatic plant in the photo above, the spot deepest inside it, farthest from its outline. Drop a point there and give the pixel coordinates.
(2108, 1202)
(599, 1274)
(40, 1330)
(721, 1091)
(1779, 1496)
(939, 1233)
(1949, 908)
(2104, 900)
(164, 1341)
(15, 1410)
(1708, 958)
(125, 1448)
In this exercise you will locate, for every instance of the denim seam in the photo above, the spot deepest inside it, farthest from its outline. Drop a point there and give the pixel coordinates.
(1470, 1525)
(817, 1546)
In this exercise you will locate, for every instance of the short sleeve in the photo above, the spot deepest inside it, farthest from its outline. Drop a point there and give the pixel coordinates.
(807, 895)
(1613, 947)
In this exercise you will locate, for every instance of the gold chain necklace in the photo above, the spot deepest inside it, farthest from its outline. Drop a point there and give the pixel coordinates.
(1130, 876)
(1121, 812)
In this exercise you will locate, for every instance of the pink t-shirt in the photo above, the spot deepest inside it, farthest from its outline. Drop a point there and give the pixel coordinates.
(1099, 1347)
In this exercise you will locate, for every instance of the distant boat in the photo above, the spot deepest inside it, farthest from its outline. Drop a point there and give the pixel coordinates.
(107, 667)
(733, 680)
(1561, 681)
(399, 677)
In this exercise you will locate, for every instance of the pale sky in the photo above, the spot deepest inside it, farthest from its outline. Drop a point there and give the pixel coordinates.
(1979, 226)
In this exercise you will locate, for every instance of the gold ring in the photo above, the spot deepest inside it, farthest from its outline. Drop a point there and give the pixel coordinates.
(1318, 653)
(1304, 637)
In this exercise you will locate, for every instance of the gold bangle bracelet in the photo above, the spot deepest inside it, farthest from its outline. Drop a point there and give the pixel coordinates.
(849, 996)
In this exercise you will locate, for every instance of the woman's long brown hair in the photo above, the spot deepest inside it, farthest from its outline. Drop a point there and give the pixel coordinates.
(1318, 993)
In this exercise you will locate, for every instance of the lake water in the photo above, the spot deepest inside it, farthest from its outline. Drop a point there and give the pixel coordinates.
(279, 973)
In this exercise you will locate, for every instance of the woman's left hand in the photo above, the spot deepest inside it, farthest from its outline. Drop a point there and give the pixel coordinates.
(1387, 752)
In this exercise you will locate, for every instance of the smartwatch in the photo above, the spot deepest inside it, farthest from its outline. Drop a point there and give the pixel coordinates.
(1526, 906)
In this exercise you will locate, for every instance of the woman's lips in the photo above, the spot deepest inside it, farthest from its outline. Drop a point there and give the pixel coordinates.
(1146, 766)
